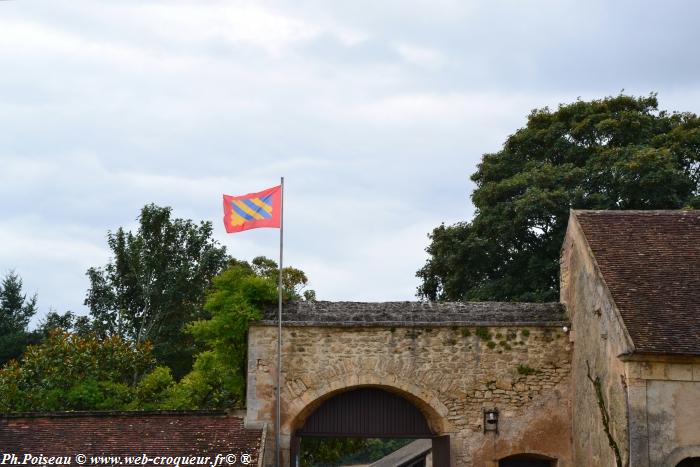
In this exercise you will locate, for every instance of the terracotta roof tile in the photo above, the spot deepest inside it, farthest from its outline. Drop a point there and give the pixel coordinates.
(650, 261)
(128, 434)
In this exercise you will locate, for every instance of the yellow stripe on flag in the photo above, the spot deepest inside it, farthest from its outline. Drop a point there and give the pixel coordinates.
(244, 207)
(236, 218)
(262, 204)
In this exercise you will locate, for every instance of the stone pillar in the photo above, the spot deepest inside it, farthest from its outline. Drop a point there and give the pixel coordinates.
(638, 430)
(285, 443)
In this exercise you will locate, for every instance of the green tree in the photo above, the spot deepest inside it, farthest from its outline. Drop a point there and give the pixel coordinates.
(80, 370)
(217, 379)
(616, 153)
(237, 297)
(68, 322)
(321, 452)
(157, 391)
(15, 312)
(155, 283)
(293, 280)
(72, 372)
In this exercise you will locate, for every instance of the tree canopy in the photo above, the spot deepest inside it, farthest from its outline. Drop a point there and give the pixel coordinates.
(620, 152)
(75, 368)
(72, 372)
(15, 312)
(236, 297)
(68, 322)
(155, 282)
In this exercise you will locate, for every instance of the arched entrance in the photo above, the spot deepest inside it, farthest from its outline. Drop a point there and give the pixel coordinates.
(688, 456)
(526, 460)
(370, 412)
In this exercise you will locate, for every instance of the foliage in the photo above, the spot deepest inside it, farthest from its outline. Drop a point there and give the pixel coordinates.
(376, 449)
(236, 297)
(293, 280)
(483, 333)
(155, 282)
(68, 322)
(73, 372)
(526, 370)
(155, 390)
(218, 376)
(74, 368)
(320, 452)
(616, 153)
(15, 312)
(317, 452)
(15, 308)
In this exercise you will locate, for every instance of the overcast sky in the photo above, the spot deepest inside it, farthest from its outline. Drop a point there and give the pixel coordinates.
(375, 112)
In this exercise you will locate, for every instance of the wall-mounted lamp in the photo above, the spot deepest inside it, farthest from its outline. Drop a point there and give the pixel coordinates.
(491, 420)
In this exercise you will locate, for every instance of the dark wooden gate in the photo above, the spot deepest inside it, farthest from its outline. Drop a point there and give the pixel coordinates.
(525, 461)
(370, 413)
(441, 451)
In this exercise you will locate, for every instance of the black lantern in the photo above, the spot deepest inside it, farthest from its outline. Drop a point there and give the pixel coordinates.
(491, 420)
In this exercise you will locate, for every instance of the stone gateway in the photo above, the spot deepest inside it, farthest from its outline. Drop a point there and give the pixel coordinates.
(449, 360)
(608, 377)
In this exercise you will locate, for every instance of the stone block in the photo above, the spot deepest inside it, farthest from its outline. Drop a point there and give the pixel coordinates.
(653, 370)
(679, 372)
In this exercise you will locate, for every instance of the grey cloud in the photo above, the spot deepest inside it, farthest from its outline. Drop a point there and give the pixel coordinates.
(376, 112)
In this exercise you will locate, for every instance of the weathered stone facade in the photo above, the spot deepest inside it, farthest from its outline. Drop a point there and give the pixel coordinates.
(598, 377)
(614, 381)
(449, 370)
(664, 399)
(632, 408)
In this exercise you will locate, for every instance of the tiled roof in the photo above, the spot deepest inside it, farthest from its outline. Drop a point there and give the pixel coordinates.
(356, 314)
(650, 261)
(129, 434)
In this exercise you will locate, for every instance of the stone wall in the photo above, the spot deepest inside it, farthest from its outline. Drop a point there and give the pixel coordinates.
(449, 371)
(600, 435)
(359, 314)
(664, 396)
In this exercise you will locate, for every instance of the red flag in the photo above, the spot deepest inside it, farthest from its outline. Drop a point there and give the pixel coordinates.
(253, 210)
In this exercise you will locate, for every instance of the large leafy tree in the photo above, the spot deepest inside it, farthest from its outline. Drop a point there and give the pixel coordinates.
(218, 375)
(217, 379)
(237, 297)
(616, 153)
(16, 309)
(155, 282)
(75, 368)
(72, 372)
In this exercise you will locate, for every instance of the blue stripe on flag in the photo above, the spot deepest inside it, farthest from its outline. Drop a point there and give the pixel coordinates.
(241, 212)
(257, 208)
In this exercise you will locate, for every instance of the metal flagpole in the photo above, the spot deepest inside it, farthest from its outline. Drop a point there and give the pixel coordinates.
(278, 459)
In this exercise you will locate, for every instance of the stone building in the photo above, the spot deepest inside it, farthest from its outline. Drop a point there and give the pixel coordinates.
(451, 361)
(608, 377)
(630, 281)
